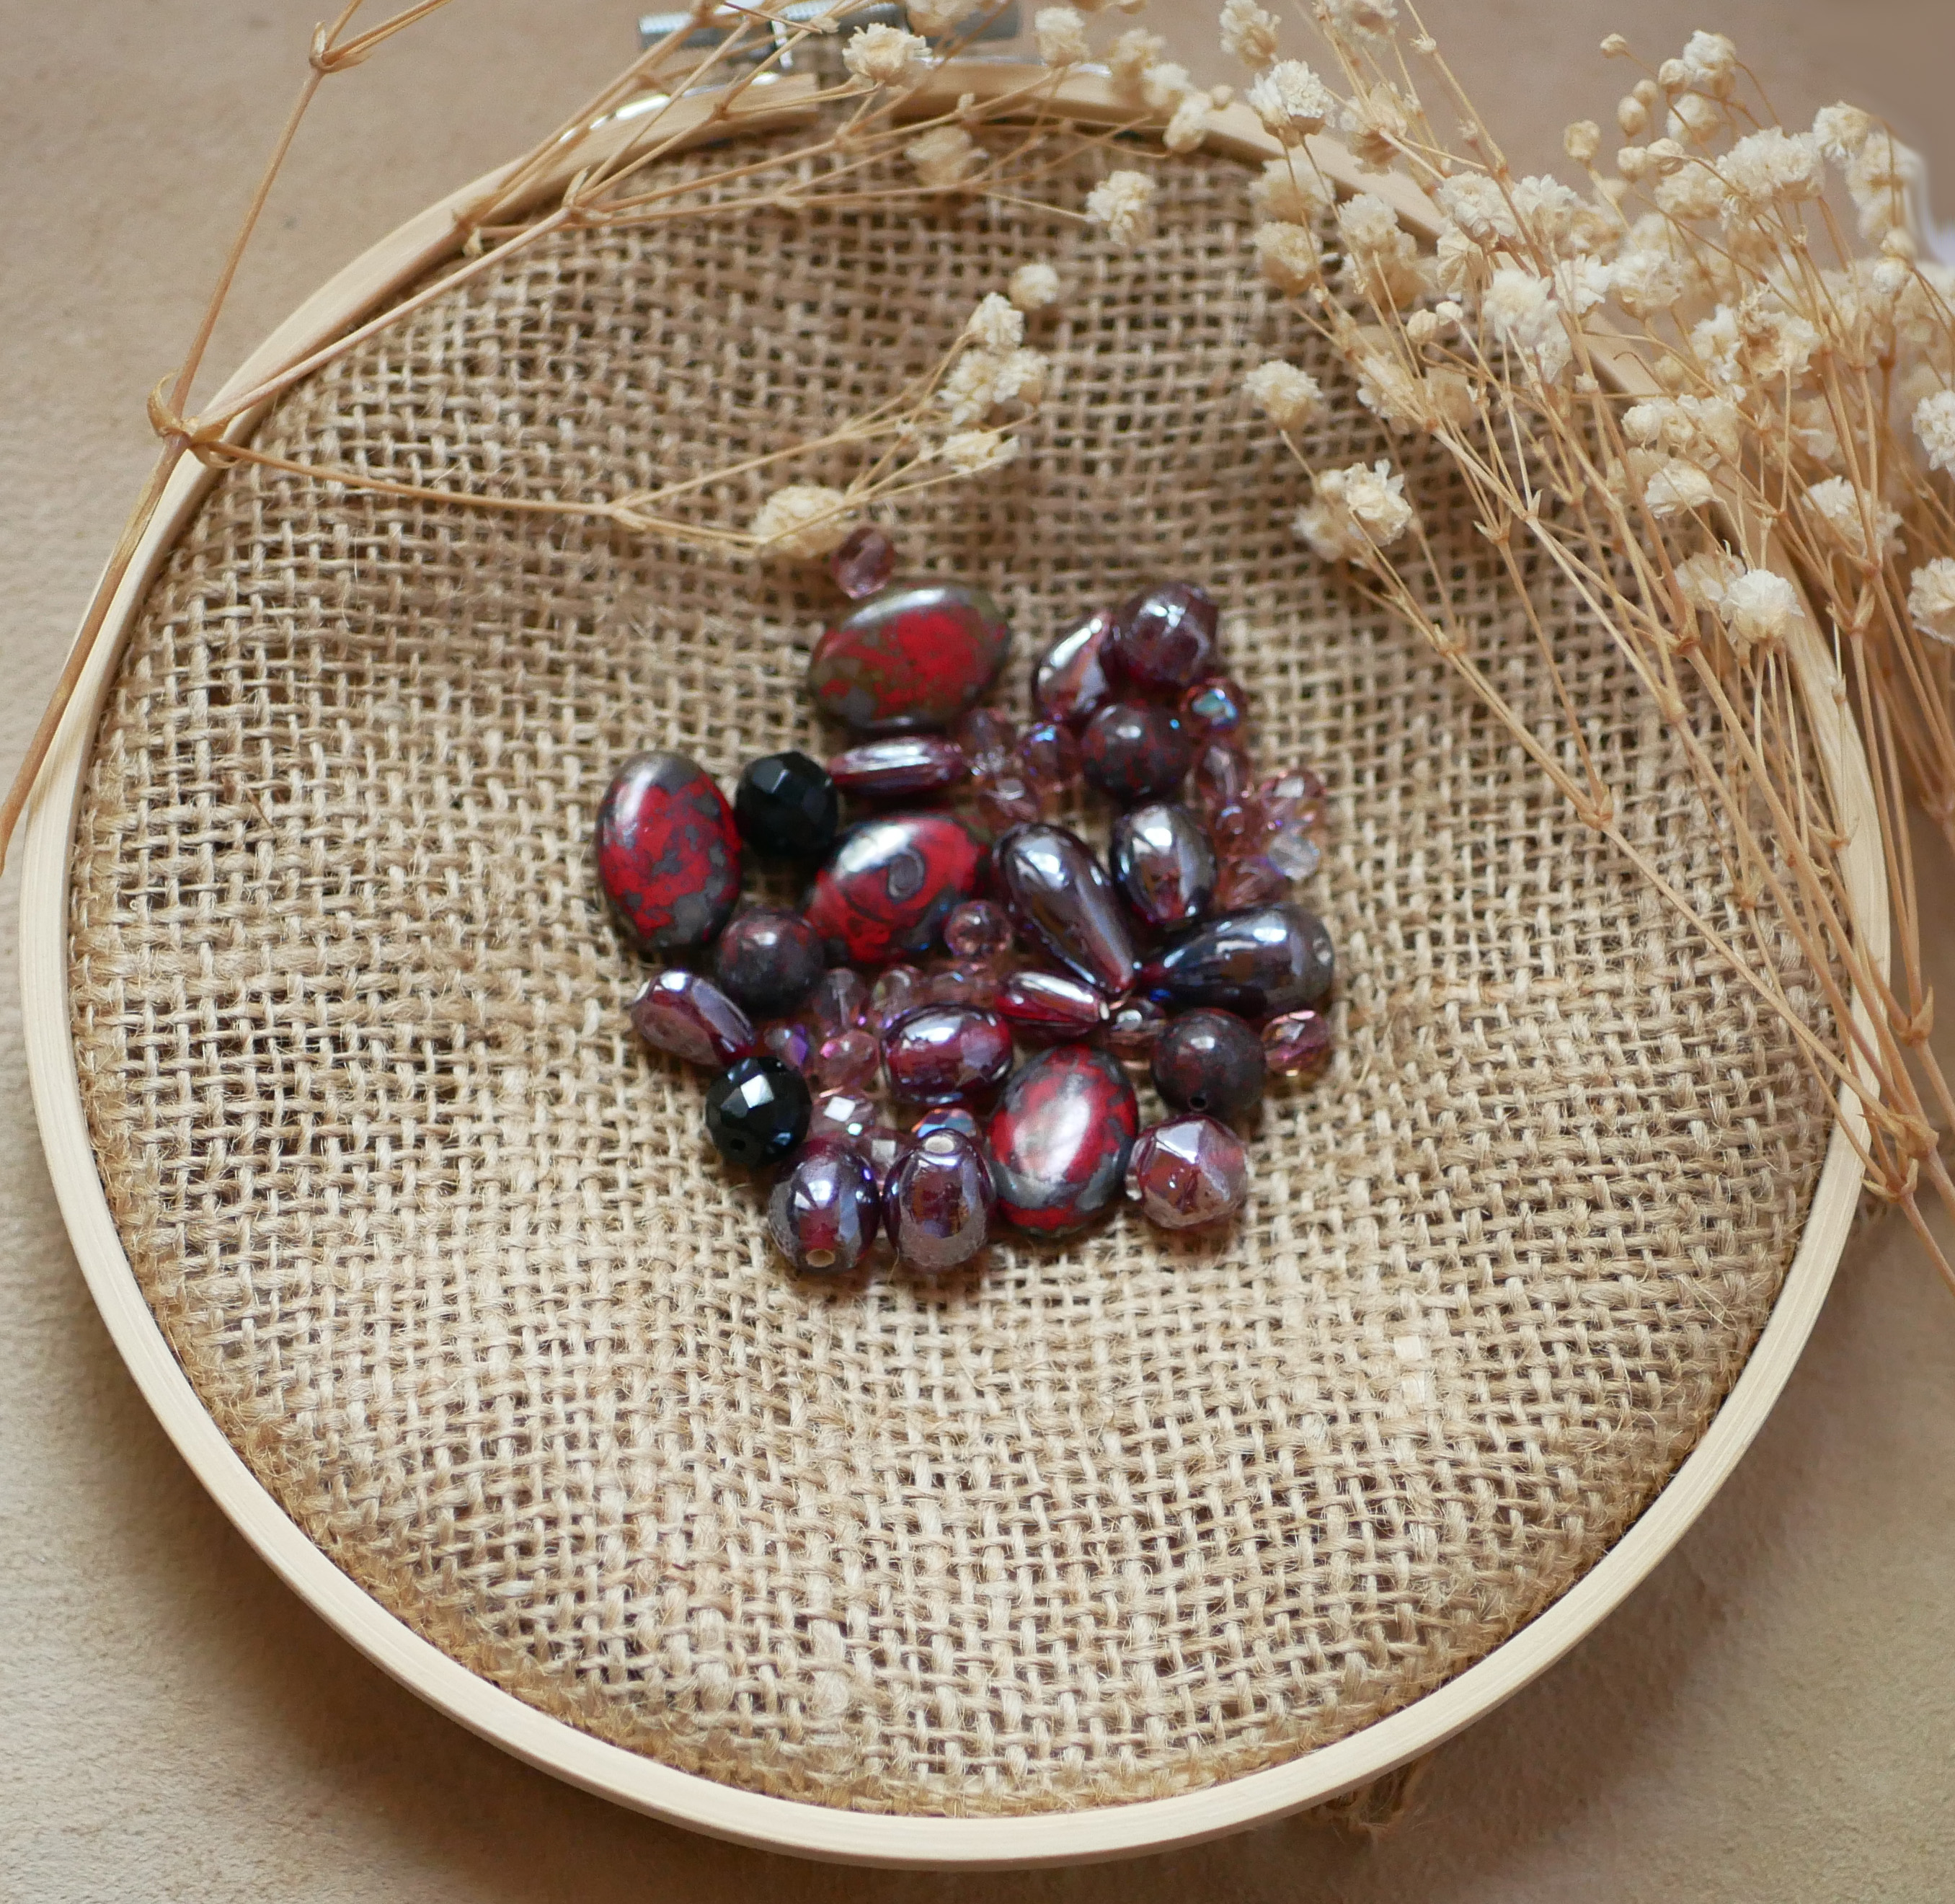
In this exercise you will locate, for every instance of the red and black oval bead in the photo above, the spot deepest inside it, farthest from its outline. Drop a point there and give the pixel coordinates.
(1059, 1139)
(891, 884)
(668, 851)
(1130, 751)
(916, 655)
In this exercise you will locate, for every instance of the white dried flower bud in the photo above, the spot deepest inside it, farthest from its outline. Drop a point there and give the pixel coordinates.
(1061, 34)
(1842, 130)
(1034, 287)
(1289, 397)
(1631, 116)
(938, 16)
(1123, 201)
(1759, 609)
(1164, 85)
(1706, 577)
(944, 155)
(1188, 126)
(1382, 260)
(884, 56)
(1366, 19)
(803, 520)
(1633, 162)
(1546, 209)
(1289, 190)
(1376, 122)
(1879, 178)
(1249, 33)
(1218, 96)
(1692, 191)
(1766, 165)
(1930, 600)
(1357, 509)
(1711, 64)
(1581, 141)
(1671, 76)
(1130, 55)
(1842, 510)
(1665, 157)
(1520, 308)
(1677, 485)
(1614, 46)
(1291, 101)
(1934, 424)
(1020, 378)
(995, 324)
(973, 452)
(1287, 256)
(1476, 204)
(1422, 326)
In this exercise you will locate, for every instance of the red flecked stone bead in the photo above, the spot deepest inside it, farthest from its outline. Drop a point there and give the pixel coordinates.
(977, 929)
(1051, 1005)
(668, 851)
(1215, 706)
(1188, 1173)
(1134, 1027)
(767, 960)
(846, 1061)
(1251, 880)
(1049, 757)
(1132, 752)
(839, 1001)
(824, 1208)
(902, 765)
(1220, 775)
(692, 1018)
(1070, 683)
(945, 1052)
(891, 883)
(1059, 1139)
(1211, 1062)
(916, 655)
(937, 1206)
(899, 989)
(1164, 864)
(1164, 638)
(1259, 964)
(1060, 894)
(788, 1040)
(1298, 1044)
(863, 563)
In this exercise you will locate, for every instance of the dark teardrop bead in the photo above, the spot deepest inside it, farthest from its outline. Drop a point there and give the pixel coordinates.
(1258, 964)
(1211, 1062)
(767, 961)
(1070, 683)
(1164, 638)
(1060, 893)
(788, 807)
(903, 765)
(1059, 1139)
(937, 1207)
(1132, 752)
(667, 855)
(823, 1211)
(757, 1111)
(1164, 864)
(1050, 1006)
(681, 1013)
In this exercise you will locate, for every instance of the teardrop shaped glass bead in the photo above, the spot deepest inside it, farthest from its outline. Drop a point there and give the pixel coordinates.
(1163, 863)
(1259, 964)
(1070, 683)
(692, 1018)
(1060, 894)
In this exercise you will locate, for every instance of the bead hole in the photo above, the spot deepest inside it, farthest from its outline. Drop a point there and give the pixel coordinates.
(819, 1259)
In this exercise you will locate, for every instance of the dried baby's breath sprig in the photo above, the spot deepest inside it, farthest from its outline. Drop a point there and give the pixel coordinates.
(1123, 203)
(802, 520)
(1034, 287)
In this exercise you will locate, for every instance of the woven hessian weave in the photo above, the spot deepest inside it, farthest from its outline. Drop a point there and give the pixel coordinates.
(445, 1250)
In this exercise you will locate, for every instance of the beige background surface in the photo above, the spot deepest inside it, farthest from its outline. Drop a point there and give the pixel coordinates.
(1771, 1716)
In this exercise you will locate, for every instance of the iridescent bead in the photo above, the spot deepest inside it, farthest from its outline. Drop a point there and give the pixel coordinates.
(902, 765)
(668, 851)
(839, 1001)
(1220, 775)
(757, 1111)
(787, 808)
(913, 656)
(1051, 1005)
(1134, 1027)
(1209, 1061)
(845, 1114)
(823, 1210)
(682, 1013)
(1215, 706)
(1298, 1044)
(1251, 880)
(899, 989)
(937, 1207)
(767, 960)
(863, 563)
(1164, 637)
(788, 1040)
(1132, 752)
(963, 981)
(977, 929)
(987, 737)
(1236, 828)
(1296, 794)
(1060, 894)
(1059, 1139)
(1188, 1172)
(844, 1061)
(1005, 798)
(883, 1148)
(1259, 964)
(1049, 754)
(947, 1052)
(959, 1118)
(1293, 852)
(1162, 862)
(1070, 683)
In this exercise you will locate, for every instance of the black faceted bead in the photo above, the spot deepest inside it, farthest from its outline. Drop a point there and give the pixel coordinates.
(787, 808)
(757, 1110)
(1209, 1062)
(767, 960)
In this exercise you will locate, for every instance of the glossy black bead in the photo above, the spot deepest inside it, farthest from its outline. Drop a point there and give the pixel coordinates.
(1163, 863)
(1259, 964)
(1134, 752)
(1209, 1062)
(757, 1112)
(787, 808)
(767, 960)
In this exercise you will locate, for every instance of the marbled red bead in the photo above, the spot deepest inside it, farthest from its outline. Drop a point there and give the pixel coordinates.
(890, 885)
(1070, 683)
(945, 1052)
(1211, 1062)
(692, 1018)
(767, 960)
(916, 655)
(1259, 964)
(937, 1205)
(668, 851)
(1164, 638)
(901, 766)
(1060, 894)
(824, 1209)
(1059, 1139)
(1051, 1006)
(1188, 1173)
(1132, 752)
(1163, 863)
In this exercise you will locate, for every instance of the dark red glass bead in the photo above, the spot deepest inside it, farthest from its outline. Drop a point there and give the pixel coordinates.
(1250, 881)
(1215, 706)
(944, 1052)
(1259, 964)
(1070, 683)
(891, 884)
(1188, 1172)
(1132, 752)
(937, 1207)
(1005, 798)
(767, 960)
(1298, 1044)
(902, 765)
(1051, 1005)
(1163, 864)
(1134, 1027)
(668, 851)
(863, 563)
(916, 655)
(823, 1210)
(1220, 775)
(1164, 638)
(1209, 1061)
(963, 981)
(1059, 1139)
(1060, 894)
(682, 1013)
(787, 808)
(1049, 757)
(977, 929)
(757, 1111)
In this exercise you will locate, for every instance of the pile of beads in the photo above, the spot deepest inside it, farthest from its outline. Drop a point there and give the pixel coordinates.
(934, 941)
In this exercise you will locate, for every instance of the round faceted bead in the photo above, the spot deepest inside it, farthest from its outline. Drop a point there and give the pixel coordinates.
(1134, 1027)
(1188, 1172)
(1236, 829)
(899, 989)
(1209, 1061)
(900, 767)
(787, 1039)
(1215, 706)
(1296, 794)
(963, 981)
(846, 1114)
(1220, 775)
(767, 960)
(946, 1053)
(844, 1061)
(1059, 1139)
(1132, 752)
(668, 851)
(1051, 1006)
(1164, 864)
(1293, 852)
(1005, 798)
(757, 1111)
(839, 1001)
(960, 1118)
(1061, 895)
(1260, 963)
(1251, 880)
(1049, 757)
(682, 1013)
(788, 807)
(988, 737)
(823, 1210)
(937, 1207)
(977, 929)
(891, 884)
(1298, 1044)
(915, 654)
(863, 563)
(1164, 638)
(1070, 683)
(882, 1147)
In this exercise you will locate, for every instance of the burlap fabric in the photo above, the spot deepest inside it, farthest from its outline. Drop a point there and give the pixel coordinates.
(447, 1255)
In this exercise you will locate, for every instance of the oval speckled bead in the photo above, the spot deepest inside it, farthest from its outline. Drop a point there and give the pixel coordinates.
(1211, 1062)
(1059, 1139)
(947, 1051)
(1060, 894)
(891, 884)
(916, 655)
(1259, 964)
(767, 961)
(668, 851)
(1163, 863)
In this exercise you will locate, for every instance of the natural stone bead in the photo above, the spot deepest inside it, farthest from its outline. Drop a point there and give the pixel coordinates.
(668, 851)
(1209, 1061)
(1188, 1173)
(767, 960)
(913, 656)
(684, 1014)
(1059, 1139)
(1132, 752)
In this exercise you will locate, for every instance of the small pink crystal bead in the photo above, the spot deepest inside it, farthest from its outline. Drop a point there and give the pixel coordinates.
(788, 1041)
(977, 929)
(1049, 755)
(863, 563)
(1188, 1173)
(840, 999)
(1134, 1028)
(1220, 775)
(1251, 881)
(846, 1061)
(963, 981)
(1298, 1044)
(900, 989)
(1215, 706)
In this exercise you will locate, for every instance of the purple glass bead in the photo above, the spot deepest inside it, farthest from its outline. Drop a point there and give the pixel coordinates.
(1250, 881)
(840, 999)
(1005, 798)
(1164, 638)
(1188, 1173)
(899, 989)
(988, 738)
(978, 929)
(863, 563)
(1215, 706)
(767, 960)
(845, 1114)
(894, 769)
(1260, 963)
(692, 1018)
(1293, 852)
(1298, 1044)
(1220, 775)
(1163, 864)
(668, 851)
(946, 1053)
(1132, 752)
(882, 1147)
(1051, 1005)
(844, 1061)
(1070, 683)
(937, 1207)
(1059, 1139)
(788, 1040)
(1134, 1027)
(823, 1210)
(963, 981)
(1211, 1062)
(1049, 756)
(1060, 894)
(915, 654)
